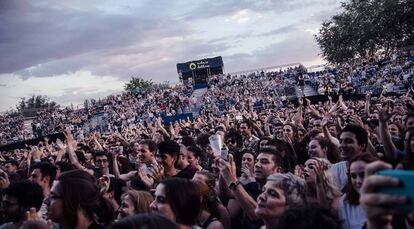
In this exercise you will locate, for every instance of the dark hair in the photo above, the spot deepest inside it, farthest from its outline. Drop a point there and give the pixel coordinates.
(277, 158)
(79, 190)
(211, 180)
(248, 123)
(309, 217)
(27, 194)
(234, 134)
(360, 133)
(197, 151)
(351, 194)
(289, 160)
(47, 169)
(64, 166)
(169, 147)
(333, 151)
(144, 221)
(13, 162)
(188, 141)
(408, 160)
(209, 198)
(202, 140)
(152, 146)
(410, 114)
(100, 154)
(184, 199)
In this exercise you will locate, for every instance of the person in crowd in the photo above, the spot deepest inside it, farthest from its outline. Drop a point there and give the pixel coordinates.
(321, 147)
(247, 168)
(250, 141)
(19, 198)
(75, 201)
(281, 192)
(143, 221)
(350, 211)
(134, 202)
(209, 216)
(322, 188)
(195, 154)
(178, 199)
(353, 140)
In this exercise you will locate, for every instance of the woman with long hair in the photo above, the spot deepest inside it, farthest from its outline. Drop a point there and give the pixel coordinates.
(321, 147)
(321, 186)
(179, 200)
(75, 201)
(351, 212)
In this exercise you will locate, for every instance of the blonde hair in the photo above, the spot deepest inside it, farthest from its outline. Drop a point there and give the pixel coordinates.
(140, 199)
(330, 188)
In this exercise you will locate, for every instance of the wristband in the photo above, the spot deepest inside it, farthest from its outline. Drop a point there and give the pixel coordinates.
(233, 185)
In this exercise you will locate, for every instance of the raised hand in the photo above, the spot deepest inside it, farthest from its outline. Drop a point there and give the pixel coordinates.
(385, 113)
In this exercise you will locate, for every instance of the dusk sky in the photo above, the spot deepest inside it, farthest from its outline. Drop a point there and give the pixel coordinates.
(71, 50)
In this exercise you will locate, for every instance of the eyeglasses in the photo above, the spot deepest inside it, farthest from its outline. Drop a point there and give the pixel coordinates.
(7, 204)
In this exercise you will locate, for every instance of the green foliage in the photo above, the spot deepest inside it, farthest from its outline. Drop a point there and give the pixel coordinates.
(138, 85)
(35, 102)
(365, 27)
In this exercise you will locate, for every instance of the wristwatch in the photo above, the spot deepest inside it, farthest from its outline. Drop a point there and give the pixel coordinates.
(233, 185)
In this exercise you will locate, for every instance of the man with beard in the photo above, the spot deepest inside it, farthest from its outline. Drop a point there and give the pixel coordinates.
(17, 199)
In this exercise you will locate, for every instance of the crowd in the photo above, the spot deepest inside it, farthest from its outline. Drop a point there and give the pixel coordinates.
(251, 159)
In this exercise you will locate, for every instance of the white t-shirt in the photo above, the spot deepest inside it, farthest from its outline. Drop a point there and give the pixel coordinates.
(352, 216)
(339, 172)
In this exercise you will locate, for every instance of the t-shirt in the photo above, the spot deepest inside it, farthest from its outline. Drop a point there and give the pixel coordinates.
(340, 173)
(352, 216)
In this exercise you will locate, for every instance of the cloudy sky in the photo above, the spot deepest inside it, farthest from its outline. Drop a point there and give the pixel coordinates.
(70, 50)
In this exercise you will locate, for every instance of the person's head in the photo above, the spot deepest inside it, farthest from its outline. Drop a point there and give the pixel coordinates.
(19, 197)
(135, 202)
(248, 160)
(409, 142)
(178, 199)
(144, 221)
(289, 130)
(309, 217)
(146, 151)
(268, 162)
(194, 155)
(168, 152)
(11, 166)
(356, 171)
(395, 130)
(281, 191)
(75, 192)
(409, 120)
(43, 173)
(182, 160)
(353, 140)
(209, 199)
(63, 166)
(246, 127)
(233, 139)
(323, 148)
(206, 177)
(101, 160)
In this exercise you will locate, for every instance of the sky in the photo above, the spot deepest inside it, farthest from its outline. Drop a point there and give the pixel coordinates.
(72, 50)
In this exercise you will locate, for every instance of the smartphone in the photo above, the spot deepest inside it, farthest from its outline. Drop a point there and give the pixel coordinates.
(406, 189)
(225, 154)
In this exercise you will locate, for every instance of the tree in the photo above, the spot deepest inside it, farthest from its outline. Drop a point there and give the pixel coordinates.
(35, 102)
(365, 27)
(138, 85)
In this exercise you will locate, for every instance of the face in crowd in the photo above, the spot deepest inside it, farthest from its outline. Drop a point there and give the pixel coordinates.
(265, 166)
(348, 145)
(144, 154)
(356, 170)
(315, 149)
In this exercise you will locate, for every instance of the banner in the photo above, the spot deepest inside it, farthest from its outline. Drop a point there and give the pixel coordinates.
(216, 62)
